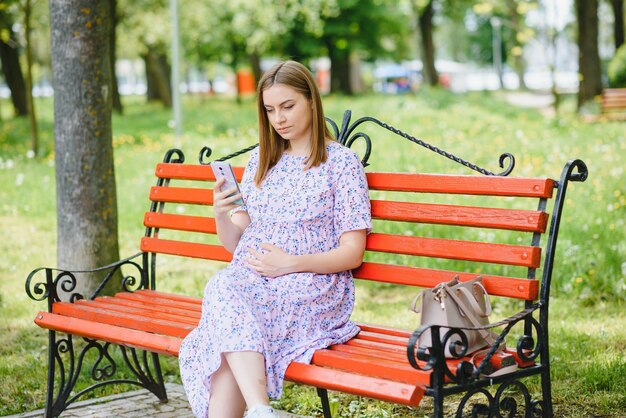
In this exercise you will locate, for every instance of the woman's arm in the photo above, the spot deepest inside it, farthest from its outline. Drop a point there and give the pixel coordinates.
(273, 261)
(229, 228)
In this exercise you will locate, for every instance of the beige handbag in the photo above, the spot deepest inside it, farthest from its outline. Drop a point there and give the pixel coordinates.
(455, 304)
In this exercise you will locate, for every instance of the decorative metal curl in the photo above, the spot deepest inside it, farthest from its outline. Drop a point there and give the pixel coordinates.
(49, 287)
(478, 409)
(175, 156)
(129, 283)
(346, 130)
(580, 166)
(100, 373)
(205, 152)
(501, 404)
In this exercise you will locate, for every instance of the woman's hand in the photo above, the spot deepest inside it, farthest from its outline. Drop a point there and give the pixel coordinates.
(272, 262)
(222, 201)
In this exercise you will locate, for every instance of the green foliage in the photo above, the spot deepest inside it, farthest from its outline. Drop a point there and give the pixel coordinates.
(617, 68)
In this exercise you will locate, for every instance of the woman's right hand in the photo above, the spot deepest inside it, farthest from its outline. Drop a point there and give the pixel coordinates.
(223, 203)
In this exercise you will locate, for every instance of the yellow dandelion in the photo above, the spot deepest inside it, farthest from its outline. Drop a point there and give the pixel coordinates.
(578, 280)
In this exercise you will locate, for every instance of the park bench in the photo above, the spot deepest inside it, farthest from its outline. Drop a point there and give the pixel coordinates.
(613, 104)
(428, 228)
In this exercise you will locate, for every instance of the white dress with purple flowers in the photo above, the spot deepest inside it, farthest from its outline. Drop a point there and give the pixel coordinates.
(285, 318)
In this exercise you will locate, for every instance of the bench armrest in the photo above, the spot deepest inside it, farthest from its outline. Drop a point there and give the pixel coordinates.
(47, 283)
(427, 358)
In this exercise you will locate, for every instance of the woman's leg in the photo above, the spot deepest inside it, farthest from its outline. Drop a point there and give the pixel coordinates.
(226, 400)
(248, 369)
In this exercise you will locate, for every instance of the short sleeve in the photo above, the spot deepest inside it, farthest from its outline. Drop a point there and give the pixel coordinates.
(247, 181)
(351, 210)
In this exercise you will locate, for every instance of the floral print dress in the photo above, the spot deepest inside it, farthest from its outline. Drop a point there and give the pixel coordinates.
(285, 318)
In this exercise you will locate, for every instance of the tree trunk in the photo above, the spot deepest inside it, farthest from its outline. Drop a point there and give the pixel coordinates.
(425, 27)
(340, 69)
(618, 27)
(30, 104)
(255, 63)
(9, 57)
(85, 175)
(117, 101)
(588, 57)
(518, 59)
(157, 76)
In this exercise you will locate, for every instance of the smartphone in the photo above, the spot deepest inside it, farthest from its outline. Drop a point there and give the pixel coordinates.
(223, 169)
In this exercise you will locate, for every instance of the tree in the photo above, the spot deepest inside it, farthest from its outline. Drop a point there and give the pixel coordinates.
(27, 9)
(147, 34)
(588, 56)
(618, 26)
(115, 91)
(424, 14)
(10, 60)
(85, 176)
(365, 29)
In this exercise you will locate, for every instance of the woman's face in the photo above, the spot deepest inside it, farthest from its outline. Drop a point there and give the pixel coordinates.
(289, 112)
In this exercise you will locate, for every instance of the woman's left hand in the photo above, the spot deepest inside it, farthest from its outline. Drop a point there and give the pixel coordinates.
(272, 262)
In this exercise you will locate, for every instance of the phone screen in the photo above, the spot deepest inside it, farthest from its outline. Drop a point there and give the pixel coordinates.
(222, 169)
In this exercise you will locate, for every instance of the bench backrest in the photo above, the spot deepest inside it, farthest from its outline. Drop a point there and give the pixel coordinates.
(427, 228)
(613, 99)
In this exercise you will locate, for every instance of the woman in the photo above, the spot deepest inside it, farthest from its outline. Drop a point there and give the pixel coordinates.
(288, 290)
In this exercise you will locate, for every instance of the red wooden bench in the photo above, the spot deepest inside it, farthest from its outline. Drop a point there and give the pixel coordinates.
(613, 103)
(500, 227)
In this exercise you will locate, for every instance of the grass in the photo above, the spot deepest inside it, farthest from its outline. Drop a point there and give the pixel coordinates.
(588, 319)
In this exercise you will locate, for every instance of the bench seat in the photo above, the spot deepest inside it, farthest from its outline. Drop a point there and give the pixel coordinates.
(372, 364)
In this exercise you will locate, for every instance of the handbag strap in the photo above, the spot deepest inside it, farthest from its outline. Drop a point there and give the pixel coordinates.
(472, 298)
(469, 313)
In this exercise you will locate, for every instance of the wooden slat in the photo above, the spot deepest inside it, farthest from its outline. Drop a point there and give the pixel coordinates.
(516, 255)
(153, 324)
(194, 300)
(382, 338)
(160, 302)
(422, 277)
(380, 329)
(191, 171)
(110, 333)
(371, 366)
(141, 310)
(456, 184)
(509, 219)
(180, 222)
(187, 249)
(189, 195)
(149, 307)
(372, 352)
(371, 387)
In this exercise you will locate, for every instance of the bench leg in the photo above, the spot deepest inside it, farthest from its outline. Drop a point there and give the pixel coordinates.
(66, 361)
(323, 394)
(546, 394)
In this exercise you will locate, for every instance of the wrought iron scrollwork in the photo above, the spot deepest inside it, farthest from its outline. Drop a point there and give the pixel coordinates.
(52, 287)
(528, 346)
(174, 156)
(63, 356)
(344, 135)
(502, 404)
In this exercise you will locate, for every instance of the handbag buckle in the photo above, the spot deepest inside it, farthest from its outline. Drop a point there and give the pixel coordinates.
(440, 294)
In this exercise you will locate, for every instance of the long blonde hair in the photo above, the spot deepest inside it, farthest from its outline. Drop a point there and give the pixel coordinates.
(271, 144)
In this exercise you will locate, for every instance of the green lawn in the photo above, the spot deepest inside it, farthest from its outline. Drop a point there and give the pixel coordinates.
(588, 319)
